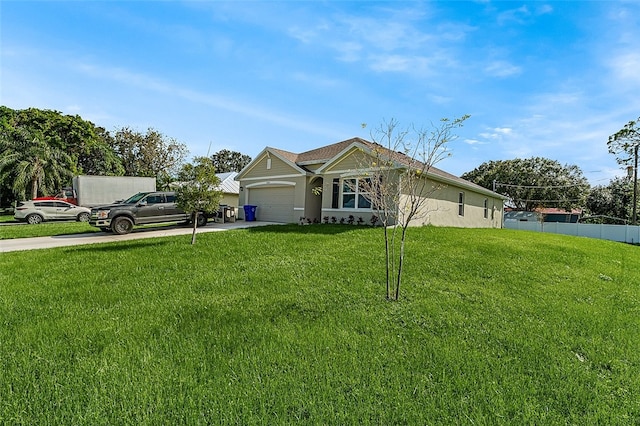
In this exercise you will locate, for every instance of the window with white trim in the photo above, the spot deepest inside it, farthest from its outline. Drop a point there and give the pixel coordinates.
(354, 193)
(486, 208)
(461, 204)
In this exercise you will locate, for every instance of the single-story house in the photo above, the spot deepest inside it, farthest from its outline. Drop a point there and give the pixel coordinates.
(313, 185)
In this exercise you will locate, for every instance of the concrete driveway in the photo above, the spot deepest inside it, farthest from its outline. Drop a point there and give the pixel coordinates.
(19, 244)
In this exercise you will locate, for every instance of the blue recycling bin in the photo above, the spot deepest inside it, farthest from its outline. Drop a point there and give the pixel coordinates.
(250, 212)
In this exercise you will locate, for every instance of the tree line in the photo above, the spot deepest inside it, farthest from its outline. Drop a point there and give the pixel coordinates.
(538, 183)
(41, 150)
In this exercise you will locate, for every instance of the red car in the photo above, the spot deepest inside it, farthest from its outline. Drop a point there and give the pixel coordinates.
(67, 194)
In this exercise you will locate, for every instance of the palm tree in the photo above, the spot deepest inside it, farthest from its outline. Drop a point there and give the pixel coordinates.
(29, 162)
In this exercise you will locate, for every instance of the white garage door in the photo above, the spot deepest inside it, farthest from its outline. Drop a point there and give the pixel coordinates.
(275, 204)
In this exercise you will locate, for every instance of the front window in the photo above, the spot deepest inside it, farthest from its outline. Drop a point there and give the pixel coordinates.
(461, 203)
(355, 193)
(486, 208)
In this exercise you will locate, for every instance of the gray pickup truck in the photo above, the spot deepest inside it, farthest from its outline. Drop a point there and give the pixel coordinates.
(141, 209)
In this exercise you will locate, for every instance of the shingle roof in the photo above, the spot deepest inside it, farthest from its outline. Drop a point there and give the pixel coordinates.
(326, 153)
(286, 154)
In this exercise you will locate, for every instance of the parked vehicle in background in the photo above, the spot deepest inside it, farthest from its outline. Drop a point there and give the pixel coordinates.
(91, 190)
(34, 212)
(141, 209)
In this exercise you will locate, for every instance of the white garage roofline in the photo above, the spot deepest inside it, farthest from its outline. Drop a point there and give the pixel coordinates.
(270, 183)
(272, 177)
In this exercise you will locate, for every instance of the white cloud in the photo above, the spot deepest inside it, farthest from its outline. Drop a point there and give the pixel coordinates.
(497, 133)
(544, 9)
(348, 51)
(518, 15)
(524, 15)
(304, 35)
(503, 130)
(388, 40)
(392, 63)
(626, 66)
(226, 103)
(316, 80)
(502, 69)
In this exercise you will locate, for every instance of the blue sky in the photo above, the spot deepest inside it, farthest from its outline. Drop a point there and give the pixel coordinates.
(550, 79)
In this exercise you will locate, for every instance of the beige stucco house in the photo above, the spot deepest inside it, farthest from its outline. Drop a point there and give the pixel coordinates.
(284, 187)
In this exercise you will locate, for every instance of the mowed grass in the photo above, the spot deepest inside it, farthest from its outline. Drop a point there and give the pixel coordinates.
(6, 218)
(45, 229)
(289, 324)
(53, 228)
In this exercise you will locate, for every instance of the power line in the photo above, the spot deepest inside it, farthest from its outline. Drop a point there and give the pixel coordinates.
(545, 201)
(532, 186)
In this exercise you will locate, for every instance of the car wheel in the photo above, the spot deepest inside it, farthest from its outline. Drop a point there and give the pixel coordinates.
(83, 217)
(34, 219)
(201, 220)
(122, 225)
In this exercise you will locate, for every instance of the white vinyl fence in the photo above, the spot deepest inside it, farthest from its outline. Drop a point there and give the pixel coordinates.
(623, 233)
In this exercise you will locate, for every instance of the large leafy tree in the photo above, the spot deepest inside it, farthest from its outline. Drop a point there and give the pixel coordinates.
(32, 165)
(624, 144)
(87, 144)
(229, 161)
(198, 190)
(149, 154)
(533, 182)
(611, 202)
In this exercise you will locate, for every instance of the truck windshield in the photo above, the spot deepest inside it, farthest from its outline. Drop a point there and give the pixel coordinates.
(135, 198)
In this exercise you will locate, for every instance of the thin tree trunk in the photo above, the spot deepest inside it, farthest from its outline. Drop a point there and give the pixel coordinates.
(387, 260)
(194, 222)
(400, 262)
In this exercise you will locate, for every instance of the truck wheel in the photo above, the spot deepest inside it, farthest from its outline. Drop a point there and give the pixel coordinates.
(34, 219)
(122, 225)
(201, 220)
(83, 217)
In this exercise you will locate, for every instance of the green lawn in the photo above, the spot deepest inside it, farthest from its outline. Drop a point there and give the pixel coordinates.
(45, 229)
(6, 218)
(288, 324)
(48, 229)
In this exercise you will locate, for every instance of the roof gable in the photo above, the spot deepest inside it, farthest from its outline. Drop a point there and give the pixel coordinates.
(327, 153)
(331, 154)
(400, 160)
(288, 158)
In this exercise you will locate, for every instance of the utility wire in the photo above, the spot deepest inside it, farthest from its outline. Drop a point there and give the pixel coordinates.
(544, 201)
(533, 186)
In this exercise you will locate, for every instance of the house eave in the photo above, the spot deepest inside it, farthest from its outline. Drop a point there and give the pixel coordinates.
(466, 185)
